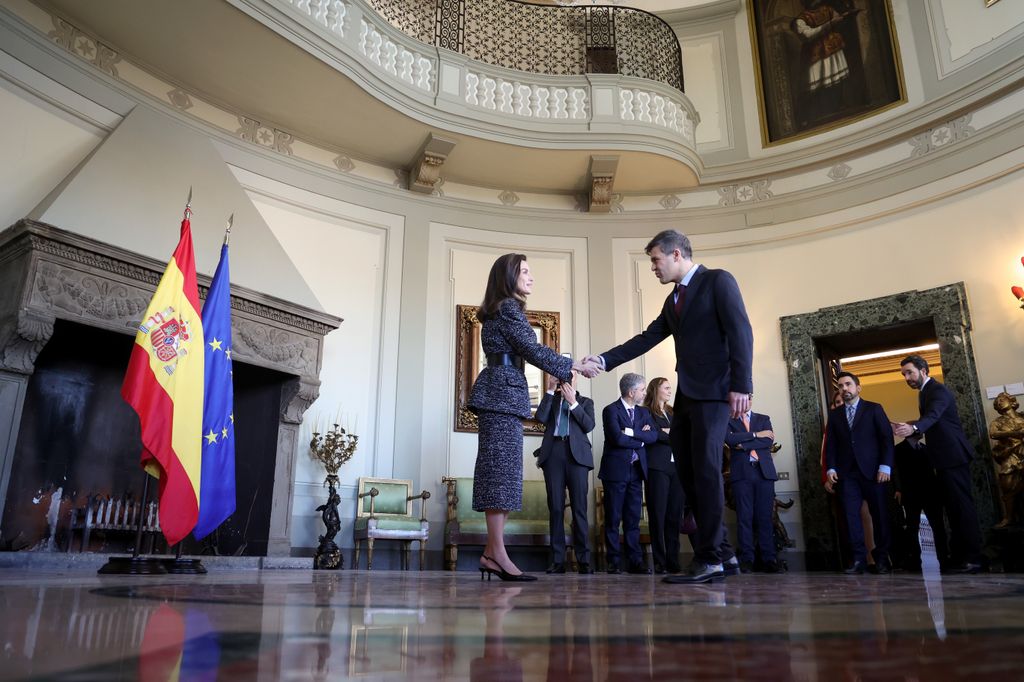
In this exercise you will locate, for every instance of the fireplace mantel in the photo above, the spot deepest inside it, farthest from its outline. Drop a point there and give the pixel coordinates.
(50, 274)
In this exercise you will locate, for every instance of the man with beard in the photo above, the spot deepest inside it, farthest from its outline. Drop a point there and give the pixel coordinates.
(950, 454)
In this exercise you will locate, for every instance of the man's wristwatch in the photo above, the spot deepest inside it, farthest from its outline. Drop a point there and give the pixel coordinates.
(914, 426)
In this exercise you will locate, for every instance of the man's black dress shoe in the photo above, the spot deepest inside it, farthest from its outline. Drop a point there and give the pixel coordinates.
(964, 569)
(770, 567)
(674, 568)
(659, 569)
(858, 568)
(585, 569)
(614, 570)
(746, 567)
(638, 569)
(731, 567)
(556, 568)
(881, 568)
(698, 573)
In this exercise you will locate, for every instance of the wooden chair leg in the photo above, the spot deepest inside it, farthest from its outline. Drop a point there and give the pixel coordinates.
(355, 564)
(423, 553)
(451, 557)
(369, 554)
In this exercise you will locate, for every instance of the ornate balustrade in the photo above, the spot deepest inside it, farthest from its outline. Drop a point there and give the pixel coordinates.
(517, 61)
(544, 39)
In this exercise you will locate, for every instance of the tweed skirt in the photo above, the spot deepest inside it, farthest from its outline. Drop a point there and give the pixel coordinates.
(498, 475)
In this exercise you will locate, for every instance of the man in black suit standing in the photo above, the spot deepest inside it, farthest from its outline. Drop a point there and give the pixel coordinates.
(566, 458)
(859, 456)
(714, 357)
(950, 454)
(628, 428)
(752, 475)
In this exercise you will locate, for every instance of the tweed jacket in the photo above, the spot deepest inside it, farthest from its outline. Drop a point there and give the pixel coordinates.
(504, 389)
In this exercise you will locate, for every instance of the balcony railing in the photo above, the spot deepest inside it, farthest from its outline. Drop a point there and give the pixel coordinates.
(544, 39)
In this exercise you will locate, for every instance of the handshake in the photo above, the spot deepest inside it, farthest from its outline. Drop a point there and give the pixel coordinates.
(590, 366)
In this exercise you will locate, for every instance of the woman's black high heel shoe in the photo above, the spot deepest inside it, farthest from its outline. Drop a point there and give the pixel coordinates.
(503, 574)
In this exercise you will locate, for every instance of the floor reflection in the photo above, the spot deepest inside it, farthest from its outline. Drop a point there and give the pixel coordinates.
(394, 625)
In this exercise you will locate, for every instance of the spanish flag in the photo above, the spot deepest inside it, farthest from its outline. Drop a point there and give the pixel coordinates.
(164, 385)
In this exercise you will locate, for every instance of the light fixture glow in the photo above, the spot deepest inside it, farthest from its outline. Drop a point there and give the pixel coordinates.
(890, 353)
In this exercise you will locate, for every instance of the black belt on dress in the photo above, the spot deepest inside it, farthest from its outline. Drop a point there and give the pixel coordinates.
(504, 360)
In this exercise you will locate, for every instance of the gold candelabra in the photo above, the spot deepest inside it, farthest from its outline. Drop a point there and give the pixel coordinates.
(333, 448)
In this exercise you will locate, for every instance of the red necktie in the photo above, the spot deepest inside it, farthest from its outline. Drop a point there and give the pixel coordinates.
(680, 297)
(746, 425)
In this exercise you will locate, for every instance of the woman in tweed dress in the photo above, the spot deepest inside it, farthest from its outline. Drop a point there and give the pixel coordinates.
(501, 399)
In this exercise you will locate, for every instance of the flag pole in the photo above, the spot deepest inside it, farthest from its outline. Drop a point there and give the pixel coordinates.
(178, 565)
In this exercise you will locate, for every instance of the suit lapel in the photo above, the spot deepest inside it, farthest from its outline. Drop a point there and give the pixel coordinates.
(692, 291)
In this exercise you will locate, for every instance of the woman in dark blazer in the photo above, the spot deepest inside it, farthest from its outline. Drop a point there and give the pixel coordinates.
(501, 399)
(664, 491)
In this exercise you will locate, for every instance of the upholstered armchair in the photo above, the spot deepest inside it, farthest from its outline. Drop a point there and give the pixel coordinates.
(385, 513)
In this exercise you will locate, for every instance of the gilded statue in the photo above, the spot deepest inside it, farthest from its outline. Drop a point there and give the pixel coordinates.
(1007, 433)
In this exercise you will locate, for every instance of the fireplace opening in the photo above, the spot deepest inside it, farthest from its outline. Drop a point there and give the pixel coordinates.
(78, 438)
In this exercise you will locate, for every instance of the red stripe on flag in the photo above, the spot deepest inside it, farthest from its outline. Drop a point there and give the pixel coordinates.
(179, 508)
(184, 256)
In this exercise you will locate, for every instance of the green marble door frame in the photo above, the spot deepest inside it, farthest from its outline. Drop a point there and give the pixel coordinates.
(947, 308)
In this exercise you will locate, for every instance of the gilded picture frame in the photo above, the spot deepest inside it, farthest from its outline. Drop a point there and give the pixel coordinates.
(822, 64)
(469, 361)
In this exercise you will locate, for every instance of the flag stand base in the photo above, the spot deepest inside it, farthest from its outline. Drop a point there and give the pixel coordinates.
(118, 565)
(179, 566)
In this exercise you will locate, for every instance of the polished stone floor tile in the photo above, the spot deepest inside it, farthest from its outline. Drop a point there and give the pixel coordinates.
(305, 625)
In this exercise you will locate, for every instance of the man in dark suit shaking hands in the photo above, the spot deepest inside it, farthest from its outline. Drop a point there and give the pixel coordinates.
(567, 459)
(714, 343)
(859, 456)
(950, 453)
(628, 428)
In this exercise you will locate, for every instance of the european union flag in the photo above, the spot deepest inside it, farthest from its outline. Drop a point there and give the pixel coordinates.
(217, 488)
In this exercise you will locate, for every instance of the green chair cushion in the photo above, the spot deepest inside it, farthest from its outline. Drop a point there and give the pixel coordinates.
(389, 523)
(391, 500)
(532, 519)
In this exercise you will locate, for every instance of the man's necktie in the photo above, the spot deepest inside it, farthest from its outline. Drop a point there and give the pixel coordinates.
(562, 420)
(746, 424)
(680, 297)
(851, 411)
(629, 413)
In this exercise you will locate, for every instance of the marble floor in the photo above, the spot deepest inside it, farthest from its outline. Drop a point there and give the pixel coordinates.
(305, 625)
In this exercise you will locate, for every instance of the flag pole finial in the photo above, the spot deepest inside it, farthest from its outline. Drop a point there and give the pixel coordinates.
(188, 203)
(227, 232)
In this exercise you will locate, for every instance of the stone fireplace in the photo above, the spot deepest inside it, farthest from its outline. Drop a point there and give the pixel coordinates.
(68, 313)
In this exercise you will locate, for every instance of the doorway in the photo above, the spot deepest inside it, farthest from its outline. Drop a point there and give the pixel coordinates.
(813, 343)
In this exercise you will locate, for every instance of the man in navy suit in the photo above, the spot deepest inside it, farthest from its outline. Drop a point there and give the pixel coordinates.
(714, 358)
(752, 476)
(628, 427)
(950, 454)
(567, 459)
(859, 456)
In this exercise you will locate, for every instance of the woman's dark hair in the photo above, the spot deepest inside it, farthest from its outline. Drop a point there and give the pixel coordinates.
(651, 397)
(501, 284)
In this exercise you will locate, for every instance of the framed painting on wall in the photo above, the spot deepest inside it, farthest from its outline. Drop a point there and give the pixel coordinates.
(821, 64)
